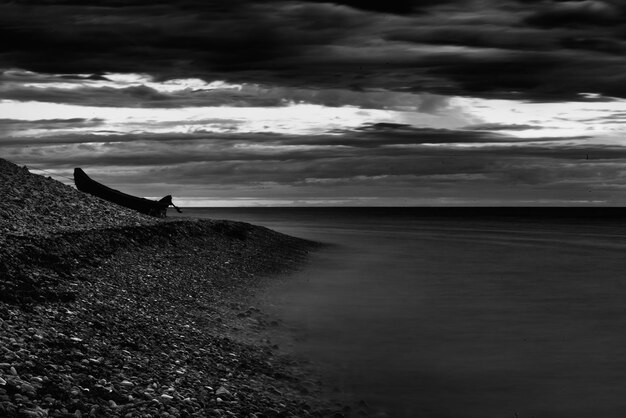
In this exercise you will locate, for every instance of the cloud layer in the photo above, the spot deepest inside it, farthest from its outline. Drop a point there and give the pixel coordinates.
(377, 164)
(407, 102)
(537, 50)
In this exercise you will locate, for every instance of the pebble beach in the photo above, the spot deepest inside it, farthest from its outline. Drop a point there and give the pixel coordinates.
(105, 312)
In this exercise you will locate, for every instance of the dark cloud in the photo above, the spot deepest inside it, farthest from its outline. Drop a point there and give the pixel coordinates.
(52, 123)
(603, 45)
(391, 6)
(501, 127)
(379, 141)
(137, 96)
(88, 91)
(577, 13)
(481, 36)
(538, 50)
(163, 38)
(378, 137)
(9, 126)
(541, 76)
(376, 160)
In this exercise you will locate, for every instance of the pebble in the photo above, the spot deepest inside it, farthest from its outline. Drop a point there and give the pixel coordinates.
(166, 398)
(27, 388)
(35, 412)
(222, 391)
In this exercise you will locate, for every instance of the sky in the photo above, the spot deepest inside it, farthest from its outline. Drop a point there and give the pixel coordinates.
(317, 103)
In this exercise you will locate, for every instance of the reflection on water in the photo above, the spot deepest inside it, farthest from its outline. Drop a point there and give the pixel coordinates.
(462, 318)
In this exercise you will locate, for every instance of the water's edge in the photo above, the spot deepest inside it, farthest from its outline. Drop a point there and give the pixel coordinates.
(459, 317)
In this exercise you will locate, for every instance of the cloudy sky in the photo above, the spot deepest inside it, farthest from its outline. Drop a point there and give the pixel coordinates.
(309, 102)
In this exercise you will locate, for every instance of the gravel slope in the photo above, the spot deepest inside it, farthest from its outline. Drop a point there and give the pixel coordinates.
(34, 205)
(106, 312)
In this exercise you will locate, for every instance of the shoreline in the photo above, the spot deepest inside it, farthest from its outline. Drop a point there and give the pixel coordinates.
(105, 312)
(147, 321)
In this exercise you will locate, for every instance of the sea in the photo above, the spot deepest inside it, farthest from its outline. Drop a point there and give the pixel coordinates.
(457, 315)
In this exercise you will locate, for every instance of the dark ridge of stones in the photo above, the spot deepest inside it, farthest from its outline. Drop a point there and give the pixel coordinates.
(35, 206)
(38, 269)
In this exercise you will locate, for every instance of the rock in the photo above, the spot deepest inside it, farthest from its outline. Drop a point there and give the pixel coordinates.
(35, 412)
(166, 398)
(27, 388)
(275, 391)
(223, 392)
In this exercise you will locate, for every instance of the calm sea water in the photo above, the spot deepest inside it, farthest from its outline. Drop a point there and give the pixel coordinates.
(459, 317)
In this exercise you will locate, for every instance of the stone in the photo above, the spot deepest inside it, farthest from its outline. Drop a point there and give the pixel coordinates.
(223, 392)
(166, 398)
(27, 388)
(35, 412)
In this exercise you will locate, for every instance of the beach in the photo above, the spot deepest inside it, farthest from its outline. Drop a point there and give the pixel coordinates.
(105, 312)
(295, 312)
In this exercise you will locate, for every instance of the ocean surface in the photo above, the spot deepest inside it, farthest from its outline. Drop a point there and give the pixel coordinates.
(458, 316)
